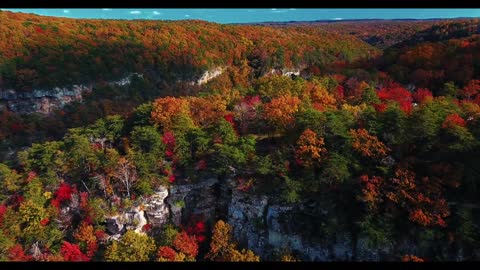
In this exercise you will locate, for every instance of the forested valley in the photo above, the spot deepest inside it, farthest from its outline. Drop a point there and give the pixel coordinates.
(197, 141)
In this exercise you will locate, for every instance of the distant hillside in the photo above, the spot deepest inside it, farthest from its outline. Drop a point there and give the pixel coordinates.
(379, 33)
(38, 51)
(444, 30)
(386, 33)
(446, 52)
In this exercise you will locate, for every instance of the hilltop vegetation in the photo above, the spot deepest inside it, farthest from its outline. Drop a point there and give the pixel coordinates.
(54, 52)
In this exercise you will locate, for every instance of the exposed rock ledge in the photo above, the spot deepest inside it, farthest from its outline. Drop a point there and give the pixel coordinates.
(258, 223)
(285, 72)
(47, 100)
(125, 81)
(209, 75)
(131, 220)
(41, 100)
(155, 208)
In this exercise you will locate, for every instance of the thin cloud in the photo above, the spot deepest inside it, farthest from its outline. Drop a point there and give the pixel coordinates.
(135, 12)
(274, 10)
(186, 15)
(106, 9)
(337, 19)
(156, 13)
(66, 11)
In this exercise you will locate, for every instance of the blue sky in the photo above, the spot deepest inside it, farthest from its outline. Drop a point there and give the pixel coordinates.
(255, 15)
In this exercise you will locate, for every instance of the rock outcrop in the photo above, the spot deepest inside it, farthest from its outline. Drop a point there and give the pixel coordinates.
(133, 219)
(156, 208)
(126, 80)
(41, 100)
(47, 100)
(247, 214)
(285, 72)
(199, 200)
(259, 223)
(209, 75)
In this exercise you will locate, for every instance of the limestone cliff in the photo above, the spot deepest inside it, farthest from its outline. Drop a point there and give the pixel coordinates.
(41, 100)
(259, 223)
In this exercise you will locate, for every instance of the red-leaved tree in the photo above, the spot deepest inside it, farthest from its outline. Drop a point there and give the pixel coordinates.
(166, 254)
(422, 95)
(3, 209)
(72, 253)
(398, 94)
(63, 194)
(198, 230)
(17, 254)
(453, 120)
(186, 244)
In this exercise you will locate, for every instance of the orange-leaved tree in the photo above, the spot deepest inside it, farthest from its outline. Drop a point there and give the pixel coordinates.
(422, 198)
(280, 112)
(166, 109)
(310, 149)
(368, 145)
(205, 111)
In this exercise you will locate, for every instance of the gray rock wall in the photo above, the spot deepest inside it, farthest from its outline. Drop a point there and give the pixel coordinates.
(258, 223)
(41, 100)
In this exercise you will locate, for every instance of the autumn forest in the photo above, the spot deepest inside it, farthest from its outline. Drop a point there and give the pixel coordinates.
(189, 140)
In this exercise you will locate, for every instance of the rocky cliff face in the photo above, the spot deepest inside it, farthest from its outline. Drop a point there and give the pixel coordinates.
(209, 75)
(156, 209)
(41, 100)
(258, 223)
(199, 200)
(126, 80)
(46, 100)
(134, 219)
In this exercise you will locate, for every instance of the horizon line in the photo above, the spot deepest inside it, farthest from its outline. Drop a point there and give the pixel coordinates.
(339, 19)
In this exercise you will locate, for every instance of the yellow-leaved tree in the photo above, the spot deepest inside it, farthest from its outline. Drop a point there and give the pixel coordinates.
(222, 248)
